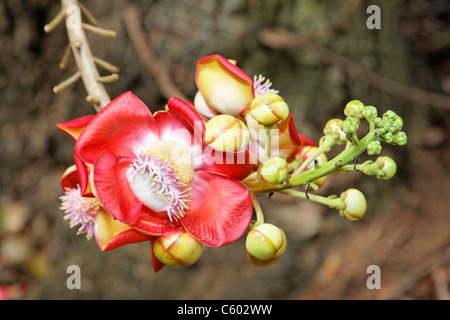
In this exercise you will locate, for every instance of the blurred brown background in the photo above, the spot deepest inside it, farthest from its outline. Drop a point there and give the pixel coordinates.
(404, 66)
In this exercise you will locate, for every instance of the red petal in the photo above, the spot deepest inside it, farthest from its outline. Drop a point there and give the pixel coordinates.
(74, 127)
(174, 127)
(83, 176)
(156, 223)
(112, 187)
(233, 164)
(297, 137)
(220, 210)
(70, 178)
(123, 126)
(189, 113)
(157, 265)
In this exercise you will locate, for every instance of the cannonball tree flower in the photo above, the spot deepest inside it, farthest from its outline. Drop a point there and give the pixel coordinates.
(82, 208)
(156, 174)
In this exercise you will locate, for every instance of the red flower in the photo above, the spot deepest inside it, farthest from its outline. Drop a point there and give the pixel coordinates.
(82, 209)
(155, 174)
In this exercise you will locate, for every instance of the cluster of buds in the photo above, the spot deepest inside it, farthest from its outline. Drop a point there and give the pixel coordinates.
(188, 176)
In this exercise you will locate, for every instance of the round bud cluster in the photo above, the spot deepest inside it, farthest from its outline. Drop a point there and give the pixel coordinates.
(374, 148)
(227, 133)
(275, 170)
(354, 108)
(178, 250)
(354, 112)
(370, 113)
(265, 244)
(390, 126)
(269, 109)
(355, 205)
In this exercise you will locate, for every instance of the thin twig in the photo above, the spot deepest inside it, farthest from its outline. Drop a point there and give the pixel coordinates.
(83, 56)
(133, 24)
(281, 39)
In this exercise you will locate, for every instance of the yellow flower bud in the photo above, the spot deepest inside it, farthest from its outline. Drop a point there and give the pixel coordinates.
(387, 168)
(226, 133)
(275, 170)
(178, 250)
(355, 205)
(333, 128)
(265, 244)
(304, 154)
(269, 109)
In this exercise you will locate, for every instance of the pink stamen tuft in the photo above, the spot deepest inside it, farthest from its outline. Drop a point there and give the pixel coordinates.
(80, 211)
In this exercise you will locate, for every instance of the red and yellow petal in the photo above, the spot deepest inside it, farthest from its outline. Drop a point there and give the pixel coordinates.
(220, 210)
(74, 127)
(111, 234)
(225, 87)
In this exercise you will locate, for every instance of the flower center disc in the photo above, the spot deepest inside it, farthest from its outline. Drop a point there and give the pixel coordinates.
(160, 177)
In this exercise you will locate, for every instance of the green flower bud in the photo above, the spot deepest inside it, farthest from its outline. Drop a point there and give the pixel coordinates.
(178, 250)
(400, 138)
(373, 148)
(377, 121)
(354, 108)
(387, 168)
(275, 170)
(389, 115)
(396, 125)
(350, 125)
(333, 128)
(227, 133)
(355, 205)
(265, 244)
(370, 113)
(388, 137)
(269, 109)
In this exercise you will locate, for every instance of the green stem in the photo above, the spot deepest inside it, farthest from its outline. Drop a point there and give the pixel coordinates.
(258, 211)
(334, 203)
(327, 168)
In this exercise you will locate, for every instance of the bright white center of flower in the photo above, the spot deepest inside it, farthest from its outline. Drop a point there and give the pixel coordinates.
(160, 178)
(261, 85)
(80, 211)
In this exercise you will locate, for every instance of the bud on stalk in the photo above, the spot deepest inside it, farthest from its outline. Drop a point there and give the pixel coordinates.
(265, 244)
